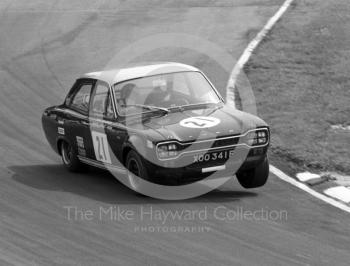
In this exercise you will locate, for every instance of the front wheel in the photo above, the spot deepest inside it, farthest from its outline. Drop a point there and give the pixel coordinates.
(136, 170)
(255, 177)
(70, 158)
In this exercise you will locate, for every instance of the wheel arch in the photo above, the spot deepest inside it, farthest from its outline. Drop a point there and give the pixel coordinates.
(133, 142)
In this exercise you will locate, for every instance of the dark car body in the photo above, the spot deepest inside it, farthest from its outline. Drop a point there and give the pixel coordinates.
(105, 139)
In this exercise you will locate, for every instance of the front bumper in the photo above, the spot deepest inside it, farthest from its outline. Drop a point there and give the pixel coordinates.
(184, 171)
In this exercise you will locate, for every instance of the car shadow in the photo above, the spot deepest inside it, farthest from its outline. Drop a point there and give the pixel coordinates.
(100, 185)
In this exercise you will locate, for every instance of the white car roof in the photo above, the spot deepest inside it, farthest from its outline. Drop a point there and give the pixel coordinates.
(116, 75)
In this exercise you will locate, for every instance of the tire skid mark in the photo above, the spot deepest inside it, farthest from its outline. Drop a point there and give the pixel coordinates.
(26, 85)
(61, 41)
(49, 68)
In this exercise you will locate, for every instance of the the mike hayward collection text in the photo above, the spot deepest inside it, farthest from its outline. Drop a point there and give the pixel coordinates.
(159, 215)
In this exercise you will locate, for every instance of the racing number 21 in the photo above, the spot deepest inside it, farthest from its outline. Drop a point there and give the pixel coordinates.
(101, 147)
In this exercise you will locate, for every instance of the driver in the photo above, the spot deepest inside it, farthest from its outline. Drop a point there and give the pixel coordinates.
(160, 95)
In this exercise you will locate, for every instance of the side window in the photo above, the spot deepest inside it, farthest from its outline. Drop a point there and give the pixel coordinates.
(81, 99)
(100, 103)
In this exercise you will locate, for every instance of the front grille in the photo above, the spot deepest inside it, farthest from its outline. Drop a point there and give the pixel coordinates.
(226, 142)
(210, 144)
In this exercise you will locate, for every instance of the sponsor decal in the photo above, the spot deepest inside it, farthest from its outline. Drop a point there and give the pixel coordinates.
(60, 130)
(200, 122)
(80, 142)
(101, 147)
(81, 146)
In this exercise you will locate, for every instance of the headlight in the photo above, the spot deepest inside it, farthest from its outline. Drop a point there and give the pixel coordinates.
(258, 137)
(167, 150)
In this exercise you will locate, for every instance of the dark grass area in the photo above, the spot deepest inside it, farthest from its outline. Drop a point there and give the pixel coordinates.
(300, 76)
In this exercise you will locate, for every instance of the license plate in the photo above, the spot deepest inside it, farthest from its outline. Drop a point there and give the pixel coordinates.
(213, 156)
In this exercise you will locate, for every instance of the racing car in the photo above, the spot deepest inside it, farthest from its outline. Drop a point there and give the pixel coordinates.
(163, 122)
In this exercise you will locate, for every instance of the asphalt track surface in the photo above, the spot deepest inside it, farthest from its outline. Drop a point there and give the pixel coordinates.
(43, 47)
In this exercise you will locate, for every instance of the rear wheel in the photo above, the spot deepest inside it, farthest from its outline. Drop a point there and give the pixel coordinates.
(255, 177)
(69, 157)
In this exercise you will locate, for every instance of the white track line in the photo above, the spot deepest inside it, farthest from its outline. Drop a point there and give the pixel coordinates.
(233, 79)
(253, 45)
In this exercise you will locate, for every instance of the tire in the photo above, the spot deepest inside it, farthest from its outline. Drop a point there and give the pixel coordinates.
(136, 168)
(256, 177)
(70, 158)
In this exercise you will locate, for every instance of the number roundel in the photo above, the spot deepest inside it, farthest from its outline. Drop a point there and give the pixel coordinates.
(200, 122)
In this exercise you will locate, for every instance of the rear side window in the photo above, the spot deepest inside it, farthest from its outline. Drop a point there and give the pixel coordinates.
(81, 99)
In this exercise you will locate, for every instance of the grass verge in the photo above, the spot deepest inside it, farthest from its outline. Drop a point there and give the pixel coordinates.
(300, 77)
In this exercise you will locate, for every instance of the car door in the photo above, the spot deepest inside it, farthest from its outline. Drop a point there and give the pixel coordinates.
(107, 134)
(77, 116)
(115, 132)
(100, 149)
